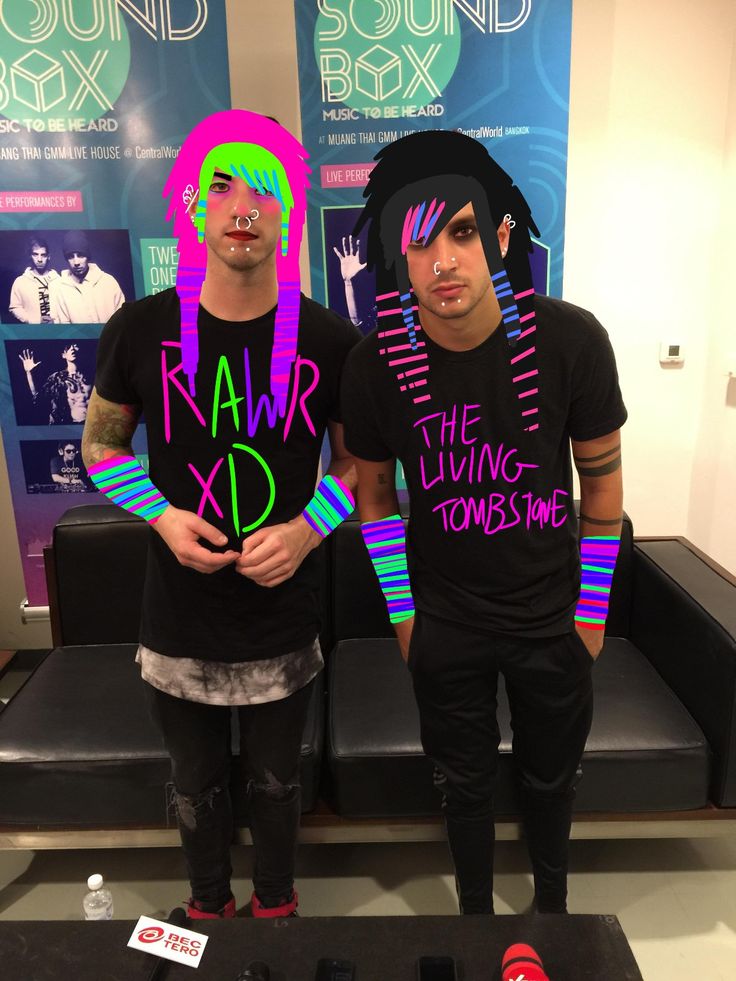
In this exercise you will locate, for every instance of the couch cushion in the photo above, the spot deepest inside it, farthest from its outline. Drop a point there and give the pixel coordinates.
(97, 608)
(684, 618)
(78, 748)
(644, 751)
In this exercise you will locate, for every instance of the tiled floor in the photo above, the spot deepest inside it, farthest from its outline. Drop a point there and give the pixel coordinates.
(675, 899)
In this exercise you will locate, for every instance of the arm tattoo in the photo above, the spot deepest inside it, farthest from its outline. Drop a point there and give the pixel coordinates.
(601, 521)
(601, 456)
(109, 429)
(601, 471)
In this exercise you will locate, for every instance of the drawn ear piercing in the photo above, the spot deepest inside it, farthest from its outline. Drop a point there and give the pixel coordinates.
(189, 195)
(509, 223)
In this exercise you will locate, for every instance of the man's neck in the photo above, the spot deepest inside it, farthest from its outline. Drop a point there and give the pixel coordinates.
(231, 295)
(463, 333)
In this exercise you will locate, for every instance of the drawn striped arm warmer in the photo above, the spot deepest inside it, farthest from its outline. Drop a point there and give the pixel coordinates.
(127, 484)
(331, 504)
(386, 543)
(598, 555)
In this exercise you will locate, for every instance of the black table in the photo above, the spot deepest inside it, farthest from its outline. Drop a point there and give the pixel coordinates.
(384, 948)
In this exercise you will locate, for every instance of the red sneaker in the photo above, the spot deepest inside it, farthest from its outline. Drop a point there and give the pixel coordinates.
(195, 912)
(285, 909)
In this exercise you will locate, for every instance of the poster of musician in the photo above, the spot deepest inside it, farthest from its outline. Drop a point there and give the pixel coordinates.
(68, 276)
(51, 380)
(55, 466)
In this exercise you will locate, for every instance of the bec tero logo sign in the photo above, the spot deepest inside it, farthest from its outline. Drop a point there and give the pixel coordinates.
(163, 940)
(400, 52)
(64, 63)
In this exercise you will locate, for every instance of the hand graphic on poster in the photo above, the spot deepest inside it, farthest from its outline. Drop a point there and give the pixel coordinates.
(350, 266)
(64, 396)
(28, 362)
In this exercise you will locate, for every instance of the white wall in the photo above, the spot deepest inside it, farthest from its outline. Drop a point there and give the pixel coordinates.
(644, 248)
(651, 238)
(711, 521)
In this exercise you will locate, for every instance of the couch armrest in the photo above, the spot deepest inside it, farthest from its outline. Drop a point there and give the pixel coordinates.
(683, 618)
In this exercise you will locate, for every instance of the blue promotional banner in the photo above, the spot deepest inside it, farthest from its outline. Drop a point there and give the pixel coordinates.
(95, 100)
(369, 73)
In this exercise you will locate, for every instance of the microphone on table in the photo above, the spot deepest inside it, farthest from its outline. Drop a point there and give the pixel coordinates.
(255, 971)
(177, 917)
(522, 962)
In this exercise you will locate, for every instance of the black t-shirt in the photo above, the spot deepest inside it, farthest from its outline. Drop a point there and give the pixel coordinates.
(226, 454)
(492, 537)
(69, 471)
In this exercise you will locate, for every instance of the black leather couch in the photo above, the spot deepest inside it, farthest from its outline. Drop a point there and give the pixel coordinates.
(77, 749)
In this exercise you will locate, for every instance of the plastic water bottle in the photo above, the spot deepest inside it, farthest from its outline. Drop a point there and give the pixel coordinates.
(97, 903)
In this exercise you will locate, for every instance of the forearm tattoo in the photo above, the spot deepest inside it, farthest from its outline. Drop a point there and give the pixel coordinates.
(108, 429)
(608, 522)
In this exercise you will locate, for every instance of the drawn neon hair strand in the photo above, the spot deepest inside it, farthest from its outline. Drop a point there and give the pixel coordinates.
(270, 160)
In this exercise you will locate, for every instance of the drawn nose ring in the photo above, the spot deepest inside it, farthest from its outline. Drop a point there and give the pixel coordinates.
(435, 269)
(245, 218)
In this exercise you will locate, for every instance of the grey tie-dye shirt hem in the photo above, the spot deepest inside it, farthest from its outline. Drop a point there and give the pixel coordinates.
(244, 683)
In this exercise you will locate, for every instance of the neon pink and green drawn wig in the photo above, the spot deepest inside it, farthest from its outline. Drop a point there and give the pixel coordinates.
(269, 159)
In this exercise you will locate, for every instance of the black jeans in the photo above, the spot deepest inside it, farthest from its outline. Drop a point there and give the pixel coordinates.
(548, 681)
(197, 738)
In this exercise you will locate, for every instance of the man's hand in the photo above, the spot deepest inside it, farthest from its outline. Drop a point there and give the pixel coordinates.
(27, 361)
(403, 635)
(593, 640)
(181, 530)
(350, 264)
(272, 555)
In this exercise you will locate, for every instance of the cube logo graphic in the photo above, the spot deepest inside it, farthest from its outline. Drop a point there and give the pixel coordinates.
(378, 73)
(38, 81)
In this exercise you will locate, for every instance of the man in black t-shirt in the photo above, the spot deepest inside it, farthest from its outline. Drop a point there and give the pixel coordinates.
(479, 388)
(64, 468)
(237, 375)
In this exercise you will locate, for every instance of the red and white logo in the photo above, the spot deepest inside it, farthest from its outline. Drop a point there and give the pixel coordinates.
(165, 940)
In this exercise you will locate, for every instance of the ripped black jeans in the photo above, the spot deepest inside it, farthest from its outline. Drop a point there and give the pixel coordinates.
(197, 738)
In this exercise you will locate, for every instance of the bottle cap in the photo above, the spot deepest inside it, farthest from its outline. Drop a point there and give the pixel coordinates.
(95, 882)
